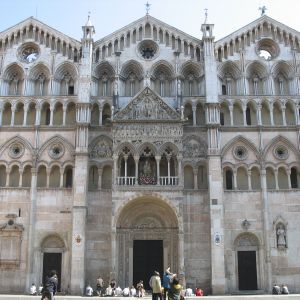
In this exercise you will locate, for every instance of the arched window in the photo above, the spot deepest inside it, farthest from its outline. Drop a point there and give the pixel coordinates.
(200, 115)
(188, 114)
(45, 114)
(95, 114)
(68, 177)
(106, 178)
(93, 178)
(54, 180)
(31, 114)
(202, 177)
(225, 114)
(26, 177)
(2, 176)
(58, 114)
(19, 114)
(271, 182)
(228, 179)
(6, 115)
(255, 179)
(265, 114)
(294, 178)
(248, 116)
(42, 177)
(14, 177)
(242, 179)
(188, 177)
(238, 118)
(71, 114)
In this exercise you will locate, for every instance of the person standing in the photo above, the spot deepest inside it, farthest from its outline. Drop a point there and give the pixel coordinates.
(155, 284)
(50, 287)
(140, 289)
(166, 282)
(175, 289)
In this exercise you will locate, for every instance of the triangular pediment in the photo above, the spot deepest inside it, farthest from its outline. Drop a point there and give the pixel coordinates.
(152, 22)
(31, 22)
(147, 106)
(263, 20)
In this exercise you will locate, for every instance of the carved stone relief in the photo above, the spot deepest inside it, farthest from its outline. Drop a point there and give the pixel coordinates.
(193, 149)
(138, 131)
(102, 149)
(147, 106)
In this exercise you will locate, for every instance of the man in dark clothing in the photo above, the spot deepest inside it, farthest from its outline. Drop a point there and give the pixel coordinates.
(50, 286)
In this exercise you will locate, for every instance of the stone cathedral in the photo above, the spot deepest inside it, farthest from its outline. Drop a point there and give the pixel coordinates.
(150, 148)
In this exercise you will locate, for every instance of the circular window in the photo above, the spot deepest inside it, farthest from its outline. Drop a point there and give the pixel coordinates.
(29, 53)
(240, 152)
(267, 49)
(16, 150)
(56, 150)
(147, 49)
(281, 152)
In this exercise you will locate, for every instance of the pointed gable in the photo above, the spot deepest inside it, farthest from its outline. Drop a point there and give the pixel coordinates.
(147, 106)
(154, 23)
(148, 28)
(263, 27)
(34, 30)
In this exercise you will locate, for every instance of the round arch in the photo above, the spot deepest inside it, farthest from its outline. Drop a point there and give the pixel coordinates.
(145, 220)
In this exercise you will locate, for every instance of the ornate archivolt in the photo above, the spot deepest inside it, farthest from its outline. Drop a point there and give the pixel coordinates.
(123, 213)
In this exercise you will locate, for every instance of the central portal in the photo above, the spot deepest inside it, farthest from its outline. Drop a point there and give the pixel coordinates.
(146, 240)
(147, 257)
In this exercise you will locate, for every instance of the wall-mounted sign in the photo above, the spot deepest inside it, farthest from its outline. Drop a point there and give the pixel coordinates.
(217, 238)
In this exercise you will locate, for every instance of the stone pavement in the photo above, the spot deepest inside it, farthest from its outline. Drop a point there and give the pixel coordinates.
(228, 297)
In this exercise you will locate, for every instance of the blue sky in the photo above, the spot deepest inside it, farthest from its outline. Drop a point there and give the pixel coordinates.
(109, 15)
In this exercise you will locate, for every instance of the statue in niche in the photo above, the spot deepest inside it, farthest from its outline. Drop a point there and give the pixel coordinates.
(178, 87)
(147, 175)
(281, 236)
(147, 168)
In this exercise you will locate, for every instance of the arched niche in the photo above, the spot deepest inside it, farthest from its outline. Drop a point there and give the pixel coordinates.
(145, 219)
(247, 268)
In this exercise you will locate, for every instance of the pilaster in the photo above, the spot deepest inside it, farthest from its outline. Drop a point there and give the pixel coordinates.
(30, 274)
(83, 117)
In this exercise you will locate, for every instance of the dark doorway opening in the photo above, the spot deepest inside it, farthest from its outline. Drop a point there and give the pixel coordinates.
(147, 258)
(247, 270)
(52, 261)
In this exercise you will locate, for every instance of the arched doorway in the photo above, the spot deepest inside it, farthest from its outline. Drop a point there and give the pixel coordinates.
(53, 248)
(147, 239)
(247, 262)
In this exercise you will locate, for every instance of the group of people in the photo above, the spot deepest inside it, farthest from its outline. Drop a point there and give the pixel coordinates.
(48, 290)
(277, 290)
(114, 290)
(169, 288)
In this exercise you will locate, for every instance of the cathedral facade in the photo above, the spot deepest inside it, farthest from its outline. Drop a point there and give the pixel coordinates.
(150, 148)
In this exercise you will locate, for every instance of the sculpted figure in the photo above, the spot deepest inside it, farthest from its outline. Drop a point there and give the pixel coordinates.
(147, 168)
(281, 241)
